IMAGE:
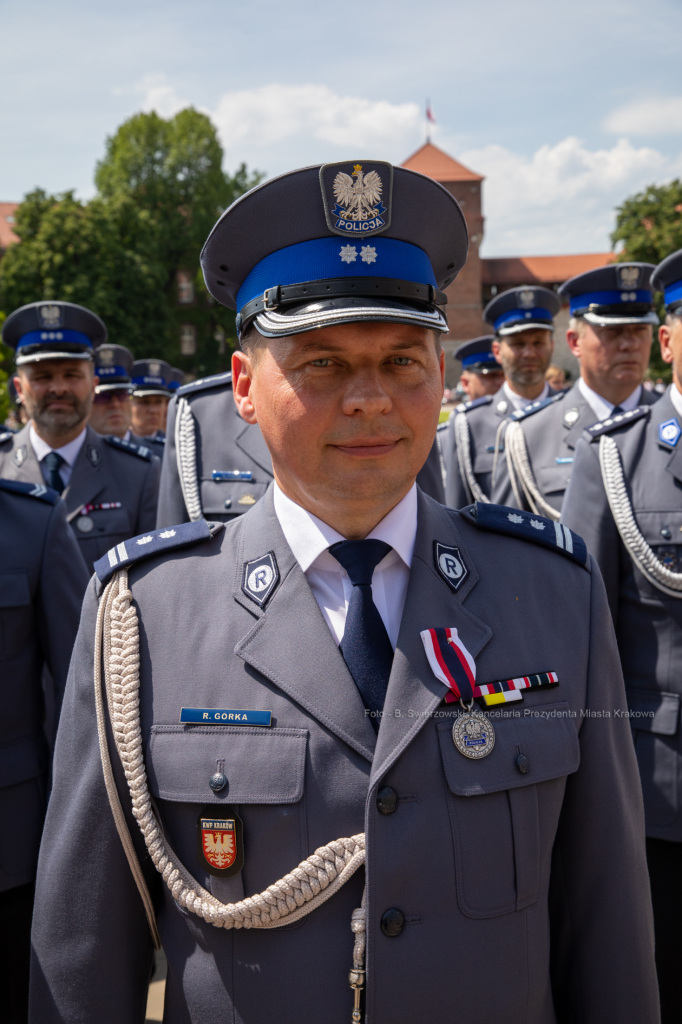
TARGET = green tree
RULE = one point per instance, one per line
(649, 227)
(126, 253)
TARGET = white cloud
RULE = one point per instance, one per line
(160, 96)
(655, 116)
(561, 199)
(258, 120)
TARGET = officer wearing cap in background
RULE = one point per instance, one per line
(624, 498)
(610, 333)
(328, 700)
(523, 346)
(110, 486)
(111, 411)
(177, 379)
(151, 394)
(42, 582)
(481, 373)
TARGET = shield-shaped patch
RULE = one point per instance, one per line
(221, 844)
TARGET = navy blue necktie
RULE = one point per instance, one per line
(366, 648)
(52, 462)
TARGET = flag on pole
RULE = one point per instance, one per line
(429, 113)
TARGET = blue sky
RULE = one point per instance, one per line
(566, 108)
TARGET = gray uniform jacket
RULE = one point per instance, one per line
(42, 582)
(531, 887)
(156, 444)
(648, 622)
(211, 442)
(483, 417)
(107, 470)
(551, 434)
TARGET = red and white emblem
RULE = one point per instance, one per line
(219, 842)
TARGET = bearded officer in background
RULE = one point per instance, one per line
(625, 498)
(345, 608)
(610, 333)
(42, 582)
(110, 486)
(522, 346)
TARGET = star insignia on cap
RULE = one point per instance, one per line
(348, 254)
(368, 254)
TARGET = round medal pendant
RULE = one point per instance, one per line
(473, 734)
(85, 524)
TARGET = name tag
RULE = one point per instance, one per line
(563, 462)
(231, 474)
(224, 716)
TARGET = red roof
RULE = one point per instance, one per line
(514, 270)
(7, 236)
(434, 163)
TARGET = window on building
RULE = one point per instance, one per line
(188, 339)
(219, 335)
(185, 287)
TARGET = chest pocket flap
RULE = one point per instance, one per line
(503, 822)
(262, 766)
(102, 522)
(14, 589)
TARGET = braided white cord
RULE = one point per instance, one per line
(466, 470)
(643, 556)
(498, 433)
(289, 899)
(186, 455)
(517, 455)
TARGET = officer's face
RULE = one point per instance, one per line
(477, 385)
(57, 393)
(670, 337)
(149, 414)
(111, 412)
(349, 414)
(525, 356)
(612, 356)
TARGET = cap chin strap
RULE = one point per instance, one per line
(640, 552)
(186, 456)
(315, 880)
(518, 464)
(466, 470)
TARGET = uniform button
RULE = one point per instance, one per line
(665, 533)
(392, 922)
(217, 782)
(523, 764)
(387, 800)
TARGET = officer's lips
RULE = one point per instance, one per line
(368, 449)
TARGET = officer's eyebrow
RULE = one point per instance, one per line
(399, 346)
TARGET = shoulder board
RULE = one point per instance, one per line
(534, 407)
(39, 491)
(147, 545)
(155, 440)
(140, 450)
(442, 426)
(215, 381)
(475, 403)
(6, 435)
(620, 420)
(526, 526)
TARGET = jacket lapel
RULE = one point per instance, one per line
(251, 442)
(413, 690)
(586, 417)
(291, 644)
(662, 411)
(21, 463)
(87, 480)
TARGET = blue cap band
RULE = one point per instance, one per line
(609, 298)
(158, 381)
(519, 315)
(673, 293)
(324, 258)
(173, 385)
(480, 357)
(111, 371)
(45, 337)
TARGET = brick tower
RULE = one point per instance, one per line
(464, 307)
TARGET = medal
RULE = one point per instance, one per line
(85, 524)
(473, 733)
(220, 838)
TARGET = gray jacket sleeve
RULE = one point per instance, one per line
(171, 508)
(586, 511)
(602, 817)
(63, 582)
(502, 493)
(456, 492)
(92, 950)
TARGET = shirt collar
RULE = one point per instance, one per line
(675, 398)
(601, 407)
(518, 401)
(309, 537)
(69, 452)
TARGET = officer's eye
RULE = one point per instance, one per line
(321, 362)
(402, 361)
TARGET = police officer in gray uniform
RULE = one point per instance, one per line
(625, 498)
(110, 486)
(610, 332)
(523, 346)
(42, 582)
(328, 701)
(152, 392)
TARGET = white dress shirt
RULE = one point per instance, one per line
(69, 452)
(518, 401)
(675, 398)
(601, 407)
(309, 539)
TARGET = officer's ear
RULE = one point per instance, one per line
(665, 335)
(242, 378)
(495, 348)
